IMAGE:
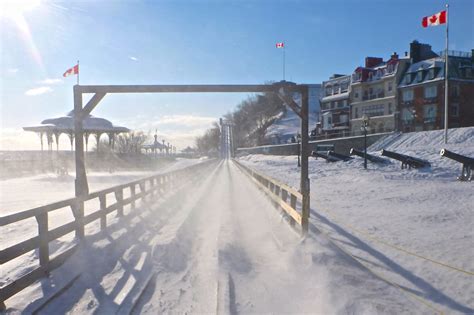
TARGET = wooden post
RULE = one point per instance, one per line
(142, 189)
(42, 220)
(103, 207)
(304, 183)
(133, 194)
(78, 211)
(119, 198)
(293, 205)
(81, 186)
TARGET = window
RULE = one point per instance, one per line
(345, 103)
(455, 90)
(419, 76)
(408, 78)
(408, 115)
(431, 74)
(356, 112)
(390, 110)
(333, 105)
(356, 93)
(389, 86)
(407, 95)
(431, 91)
(469, 73)
(429, 113)
(454, 110)
(340, 104)
(373, 110)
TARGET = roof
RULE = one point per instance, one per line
(437, 63)
(66, 124)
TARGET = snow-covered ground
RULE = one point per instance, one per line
(427, 212)
(218, 246)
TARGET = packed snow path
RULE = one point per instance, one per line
(221, 247)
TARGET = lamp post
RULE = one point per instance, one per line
(365, 125)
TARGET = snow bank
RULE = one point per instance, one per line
(425, 211)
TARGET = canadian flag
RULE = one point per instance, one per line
(71, 71)
(280, 45)
(435, 19)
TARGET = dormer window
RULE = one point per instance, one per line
(408, 78)
(419, 76)
(371, 75)
(431, 74)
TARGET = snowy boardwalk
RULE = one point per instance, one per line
(218, 246)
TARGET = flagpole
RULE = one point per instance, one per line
(78, 72)
(284, 61)
(446, 90)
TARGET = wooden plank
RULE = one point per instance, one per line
(252, 88)
(18, 249)
(26, 280)
(62, 230)
(282, 185)
(19, 216)
(287, 208)
(103, 217)
(42, 220)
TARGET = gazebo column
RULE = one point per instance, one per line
(40, 134)
(97, 139)
(71, 139)
(86, 138)
(49, 138)
(57, 134)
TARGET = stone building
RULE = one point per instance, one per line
(335, 105)
(373, 92)
(422, 86)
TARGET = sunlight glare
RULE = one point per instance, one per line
(14, 8)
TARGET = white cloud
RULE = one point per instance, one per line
(51, 81)
(133, 58)
(13, 70)
(38, 91)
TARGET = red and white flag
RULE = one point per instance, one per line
(435, 19)
(71, 71)
(280, 45)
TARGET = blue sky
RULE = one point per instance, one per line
(191, 42)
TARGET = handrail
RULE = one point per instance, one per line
(279, 193)
(158, 183)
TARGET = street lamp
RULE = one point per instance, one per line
(365, 125)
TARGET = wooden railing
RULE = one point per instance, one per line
(138, 190)
(288, 198)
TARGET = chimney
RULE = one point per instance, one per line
(371, 62)
(394, 56)
(420, 51)
(406, 53)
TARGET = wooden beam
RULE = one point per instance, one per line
(289, 101)
(92, 103)
(207, 88)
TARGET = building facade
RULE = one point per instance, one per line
(422, 91)
(373, 93)
(335, 105)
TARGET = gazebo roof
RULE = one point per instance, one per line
(66, 124)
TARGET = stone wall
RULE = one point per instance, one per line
(341, 145)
